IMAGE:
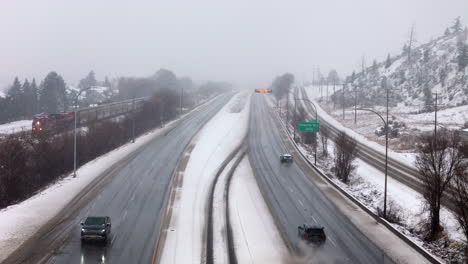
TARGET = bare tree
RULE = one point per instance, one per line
(438, 160)
(324, 135)
(345, 153)
(461, 198)
(299, 116)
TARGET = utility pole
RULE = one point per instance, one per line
(386, 151)
(342, 99)
(133, 119)
(74, 129)
(181, 100)
(355, 104)
(327, 91)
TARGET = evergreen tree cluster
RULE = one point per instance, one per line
(24, 100)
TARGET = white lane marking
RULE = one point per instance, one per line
(290, 189)
(315, 220)
(301, 203)
(114, 236)
(125, 213)
(133, 197)
(331, 240)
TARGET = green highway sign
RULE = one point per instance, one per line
(313, 126)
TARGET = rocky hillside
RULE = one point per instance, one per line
(415, 75)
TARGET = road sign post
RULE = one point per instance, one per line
(313, 126)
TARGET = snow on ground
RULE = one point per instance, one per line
(257, 239)
(17, 126)
(450, 118)
(222, 134)
(367, 185)
(19, 222)
(407, 158)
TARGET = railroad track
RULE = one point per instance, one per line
(399, 171)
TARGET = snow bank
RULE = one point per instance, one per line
(222, 134)
(17, 126)
(256, 239)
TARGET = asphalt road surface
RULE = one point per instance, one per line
(134, 200)
(295, 199)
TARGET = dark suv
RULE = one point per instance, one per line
(96, 227)
(312, 233)
(286, 158)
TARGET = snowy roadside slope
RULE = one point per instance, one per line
(21, 221)
(222, 134)
(17, 126)
(313, 93)
(256, 239)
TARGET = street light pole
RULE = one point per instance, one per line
(74, 130)
(386, 155)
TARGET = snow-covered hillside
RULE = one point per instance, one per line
(414, 77)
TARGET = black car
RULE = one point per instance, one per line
(96, 227)
(286, 158)
(312, 233)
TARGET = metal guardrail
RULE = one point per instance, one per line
(431, 258)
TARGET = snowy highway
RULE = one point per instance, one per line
(134, 197)
(295, 199)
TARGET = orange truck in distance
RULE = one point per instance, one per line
(263, 90)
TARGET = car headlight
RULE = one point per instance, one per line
(83, 230)
(103, 230)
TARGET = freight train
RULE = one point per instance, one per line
(48, 122)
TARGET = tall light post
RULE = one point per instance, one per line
(386, 155)
(316, 118)
(74, 130)
(385, 86)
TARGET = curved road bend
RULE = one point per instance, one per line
(295, 199)
(134, 200)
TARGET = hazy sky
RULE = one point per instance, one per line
(243, 41)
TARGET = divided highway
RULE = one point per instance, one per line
(134, 199)
(294, 199)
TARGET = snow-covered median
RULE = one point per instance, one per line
(184, 241)
(256, 239)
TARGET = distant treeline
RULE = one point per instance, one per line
(53, 95)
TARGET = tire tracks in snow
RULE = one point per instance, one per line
(218, 226)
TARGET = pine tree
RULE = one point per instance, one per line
(26, 98)
(374, 66)
(457, 27)
(88, 81)
(107, 83)
(405, 49)
(463, 58)
(14, 98)
(447, 32)
(34, 97)
(388, 63)
(52, 94)
(426, 55)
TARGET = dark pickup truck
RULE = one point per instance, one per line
(312, 233)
